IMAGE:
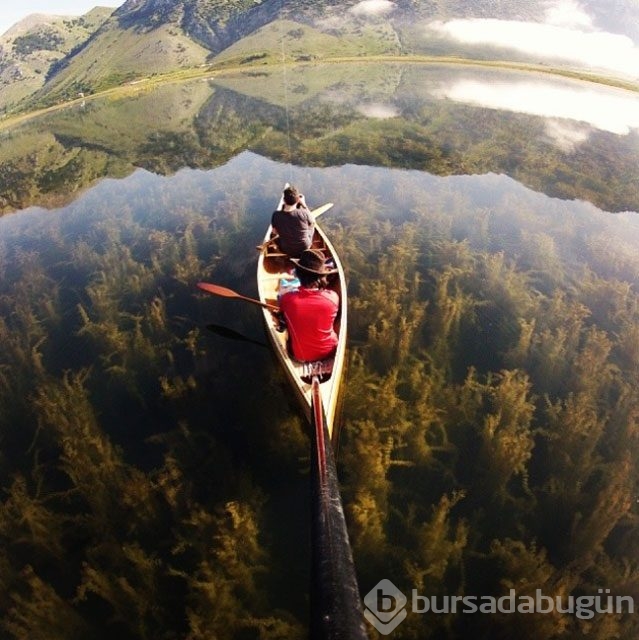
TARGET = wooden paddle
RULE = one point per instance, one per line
(323, 209)
(315, 213)
(218, 290)
(261, 247)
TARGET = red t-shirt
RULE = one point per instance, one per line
(310, 314)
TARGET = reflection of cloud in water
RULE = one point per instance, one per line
(372, 7)
(378, 110)
(596, 49)
(609, 110)
(566, 135)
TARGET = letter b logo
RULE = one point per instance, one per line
(384, 606)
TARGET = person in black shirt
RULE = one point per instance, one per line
(293, 224)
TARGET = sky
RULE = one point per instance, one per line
(12, 11)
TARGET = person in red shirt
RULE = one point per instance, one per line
(310, 311)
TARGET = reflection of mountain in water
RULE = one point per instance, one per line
(404, 116)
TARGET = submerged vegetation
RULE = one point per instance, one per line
(489, 429)
(491, 434)
(123, 510)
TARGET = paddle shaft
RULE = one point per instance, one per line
(261, 247)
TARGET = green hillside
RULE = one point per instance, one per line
(288, 41)
(116, 56)
(30, 48)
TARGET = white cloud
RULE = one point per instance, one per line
(567, 13)
(606, 109)
(372, 7)
(594, 49)
(378, 110)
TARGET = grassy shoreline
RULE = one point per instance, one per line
(148, 83)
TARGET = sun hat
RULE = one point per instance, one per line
(313, 260)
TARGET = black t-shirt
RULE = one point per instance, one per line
(295, 229)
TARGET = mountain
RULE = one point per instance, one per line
(33, 45)
(51, 59)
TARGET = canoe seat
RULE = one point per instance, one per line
(275, 263)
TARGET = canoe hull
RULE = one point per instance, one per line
(271, 267)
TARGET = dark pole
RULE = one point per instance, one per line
(336, 606)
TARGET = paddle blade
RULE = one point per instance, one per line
(218, 290)
(323, 209)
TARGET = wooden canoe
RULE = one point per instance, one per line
(272, 266)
